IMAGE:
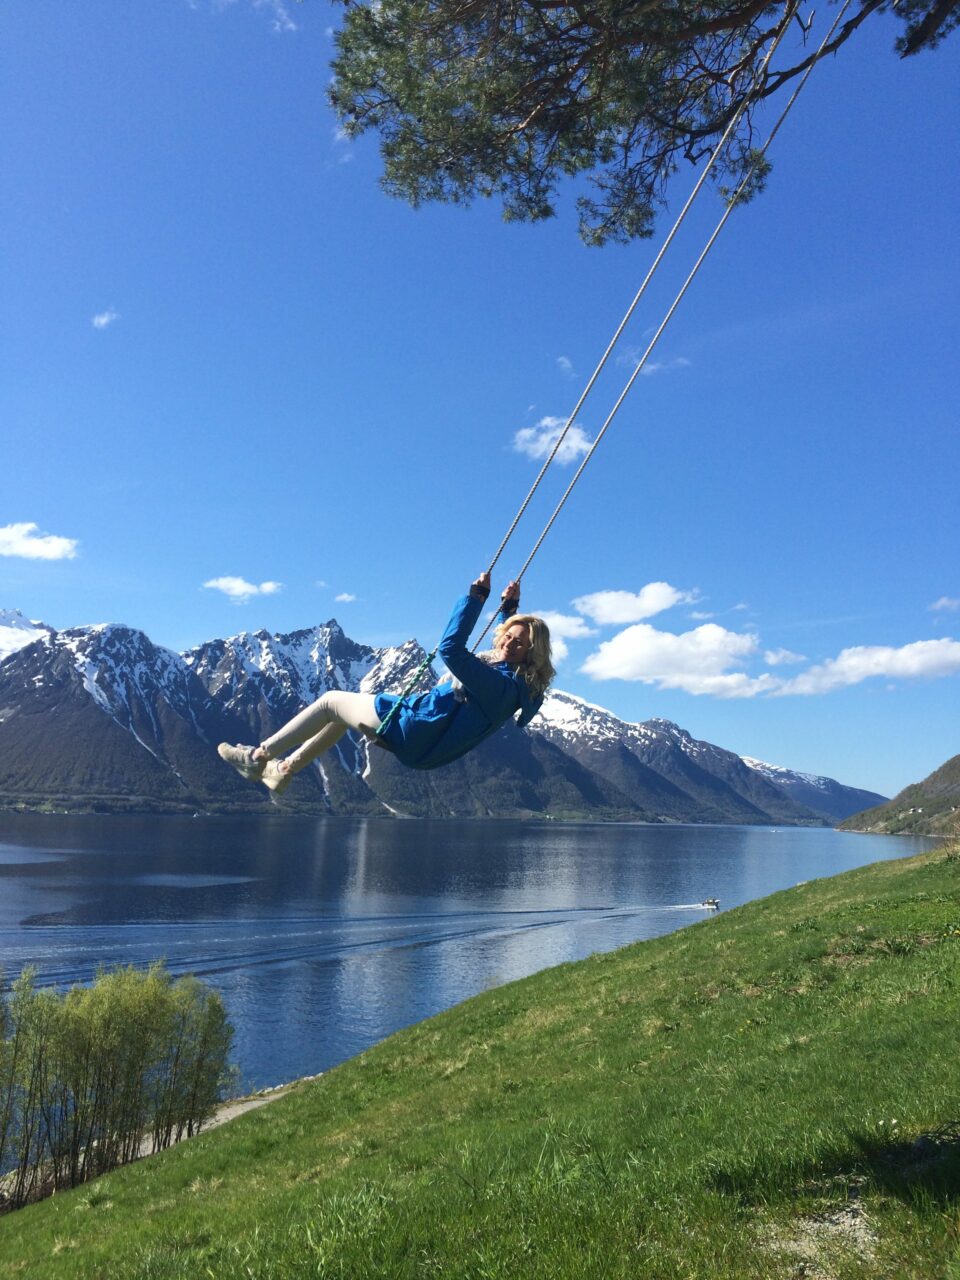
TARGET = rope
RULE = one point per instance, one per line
(732, 124)
(676, 302)
(734, 200)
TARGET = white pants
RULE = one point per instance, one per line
(321, 726)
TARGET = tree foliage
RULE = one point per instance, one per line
(93, 1078)
(508, 97)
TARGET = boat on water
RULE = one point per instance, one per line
(712, 903)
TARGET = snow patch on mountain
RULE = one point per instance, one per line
(566, 719)
(16, 632)
(301, 666)
(777, 773)
(570, 717)
(689, 745)
(394, 667)
(563, 715)
(124, 671)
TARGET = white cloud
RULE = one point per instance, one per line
(282, 21)
(663, 366)
(565, 365)
(564, 627)
(104, 318)
(345, 597)
(536, 442)
(712, 660)
(25, 540)
(705, 659)
(631, 356)
(239, 590)
(777, 657)
(618, 607)
(923, 658)
(696, 661)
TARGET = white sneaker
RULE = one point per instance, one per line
(275, 778)
(242, 760)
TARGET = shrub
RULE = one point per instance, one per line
(93, 1078)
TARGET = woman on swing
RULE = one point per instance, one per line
(428, 729)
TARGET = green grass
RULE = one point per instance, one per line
(768, 1093)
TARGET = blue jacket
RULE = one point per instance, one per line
(431, 729)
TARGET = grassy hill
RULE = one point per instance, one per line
(773, 1092)
(930, 807)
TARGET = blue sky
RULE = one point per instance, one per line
(229, 363)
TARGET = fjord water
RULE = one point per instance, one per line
(325, 935)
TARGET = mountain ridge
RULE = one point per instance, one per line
(101, 718)
(930, 807)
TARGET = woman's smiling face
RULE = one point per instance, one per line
(513, 645)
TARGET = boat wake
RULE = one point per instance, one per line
(64, 953)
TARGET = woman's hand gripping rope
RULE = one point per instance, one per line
(509, 599)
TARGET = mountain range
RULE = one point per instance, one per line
(99, 718)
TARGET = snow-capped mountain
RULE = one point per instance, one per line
(100, 717)
(257, 681)
(16, 632)
(678, 776)
(823, 795)
(103, 715)
(127, 675)
(289, 671)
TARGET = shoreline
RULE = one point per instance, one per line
(230, 1108)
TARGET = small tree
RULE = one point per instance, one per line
(8, 1056)
(112, 1036)
(193, 1075)
(31, 1017)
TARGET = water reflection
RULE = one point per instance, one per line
(326, 935)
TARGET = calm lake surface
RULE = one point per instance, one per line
(325, 935)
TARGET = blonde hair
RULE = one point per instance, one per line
(537, 670)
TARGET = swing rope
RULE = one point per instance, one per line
(731, 204)
(747, 100)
